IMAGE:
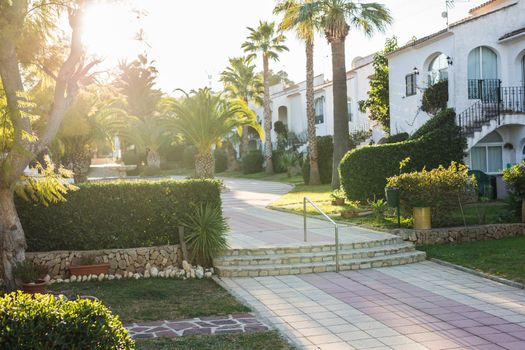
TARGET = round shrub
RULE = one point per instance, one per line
(514, 177)
(442, 189)
(252, 162)
(44, 321)
(221, 160)
(364, 171)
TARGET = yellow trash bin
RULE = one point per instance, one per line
(422, 218)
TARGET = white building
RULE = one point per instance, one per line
(288, 104)
(483, 58)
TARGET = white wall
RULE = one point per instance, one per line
(457, 43)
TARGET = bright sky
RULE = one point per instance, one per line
(191, 41)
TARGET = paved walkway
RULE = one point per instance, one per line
(417, 306)
(237, 323)
(254, 226)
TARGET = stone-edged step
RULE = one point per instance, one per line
(310, 248)
(317, 267)
(314, 256)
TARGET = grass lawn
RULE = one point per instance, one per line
(236, 341)
(475, 214)
(504, 258)
(157, 298)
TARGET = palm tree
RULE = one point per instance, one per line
(148, 135)
(205, 119)
(242, 82)
(267, 41)
(300, 16)
(337, 17)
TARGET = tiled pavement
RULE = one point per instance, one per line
(417, 306)
(237, 323)
(254, 226)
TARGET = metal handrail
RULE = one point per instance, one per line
(336, 227)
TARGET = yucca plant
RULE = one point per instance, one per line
(207, 234)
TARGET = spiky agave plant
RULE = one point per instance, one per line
(207, 233)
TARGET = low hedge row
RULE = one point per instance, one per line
(252, 162)
(115, 214)
(43, 321)
(364, 171)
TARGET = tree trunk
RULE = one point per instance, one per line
(315, 178)
(523, 211)
(340, 106)
(153, 159)
(267, 118)
(204, 165)
(12, 241)
(245, 142)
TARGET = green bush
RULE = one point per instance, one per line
(172, 153)
(364, 171)
(221, 160)
(278, 167)
(325, 154)
(43, 321)
(514, 178)
(207, 234)
(402, 136)
(442, 189)
(115, 214)
(189, 157)
(435, 98)
(131, 158)
(252, 162)
(27, 271)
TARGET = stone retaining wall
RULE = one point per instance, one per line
(121, 261)
(461, 234)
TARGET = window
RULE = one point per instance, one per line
(349, 104)
(487, 155)
(319, 110)
(410, 81)
(482, 72)
(438, 70)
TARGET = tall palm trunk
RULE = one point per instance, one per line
(267, 118)
(341, 131)
(12, 242)
(244, 139)
(315, 178)
(204, 165)
(233, 164)
(153, 159)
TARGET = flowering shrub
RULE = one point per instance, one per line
(442, 189)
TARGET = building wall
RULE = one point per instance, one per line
(457, 44)
(294, 100)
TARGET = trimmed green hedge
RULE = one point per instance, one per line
(44, 321)
(252, 162)
(402, 136)
(364, 171)
(116, 214)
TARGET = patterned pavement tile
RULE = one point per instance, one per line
(237, 323)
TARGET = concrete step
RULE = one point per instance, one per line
(310, 248)
(318, 267)
(313, 257)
